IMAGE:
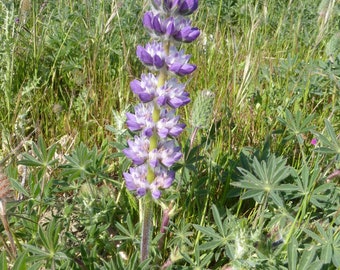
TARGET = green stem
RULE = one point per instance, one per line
(147, 212)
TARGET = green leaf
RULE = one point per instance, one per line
(37, 266)
(326, 253)
(218, 220)
(210, 245)
(20, 262)
(306, 258)
(208, 231)
(3, 261)
(292, 254)
(30, 161)
(313, 235)
(336, 257)
(18, 187)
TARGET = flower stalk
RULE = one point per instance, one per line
(146, 225)
(154, 149)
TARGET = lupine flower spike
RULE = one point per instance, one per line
(154, 148)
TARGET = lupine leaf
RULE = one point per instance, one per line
(292, 254)
(218, 220)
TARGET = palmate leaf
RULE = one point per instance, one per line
(320, 195)
(208, 231)
(297, 125)
(43, 157)
(328, 240)
(330, 142)
(264, 177)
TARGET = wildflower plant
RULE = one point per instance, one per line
(154, 149)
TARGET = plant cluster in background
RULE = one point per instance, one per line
(257, 186)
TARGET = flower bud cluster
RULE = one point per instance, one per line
(154, 149)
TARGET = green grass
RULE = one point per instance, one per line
(252, 178)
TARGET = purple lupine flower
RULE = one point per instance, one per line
(138, 150)
(169, 125)
(184, 31)
(177, 62)
(181, 7)
(146, 88)
(135, 180)
(164, 177)
(187, 7)
(163, 180)
(155, 24)
(166, 154)
(142, 119)
(152, 55)
(179, 29)
(154, 150)
(173, 94)
(169, 153)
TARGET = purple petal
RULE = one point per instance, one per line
(141, 191)
(187, 34)
(161, 101)
(131, 122)
(145, 97)
(147, 20)
(170, 28)
(157, 25)
(187, 7)
(156, 193)
(136, 87)
(158, 61)
(182, 69)
(177, 130)
(144, 56)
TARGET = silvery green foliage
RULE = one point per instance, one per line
(333, 45)
(202, 110)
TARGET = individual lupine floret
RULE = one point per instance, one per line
(176, 28)
(184, 32)
(181, 7)
(158, 26)
(141, 120)
(169, 124)
(138, 150)
(173, 94)
(136, 180)
(146, 88)
(152, 55)
(167, 153)
(177, 62)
